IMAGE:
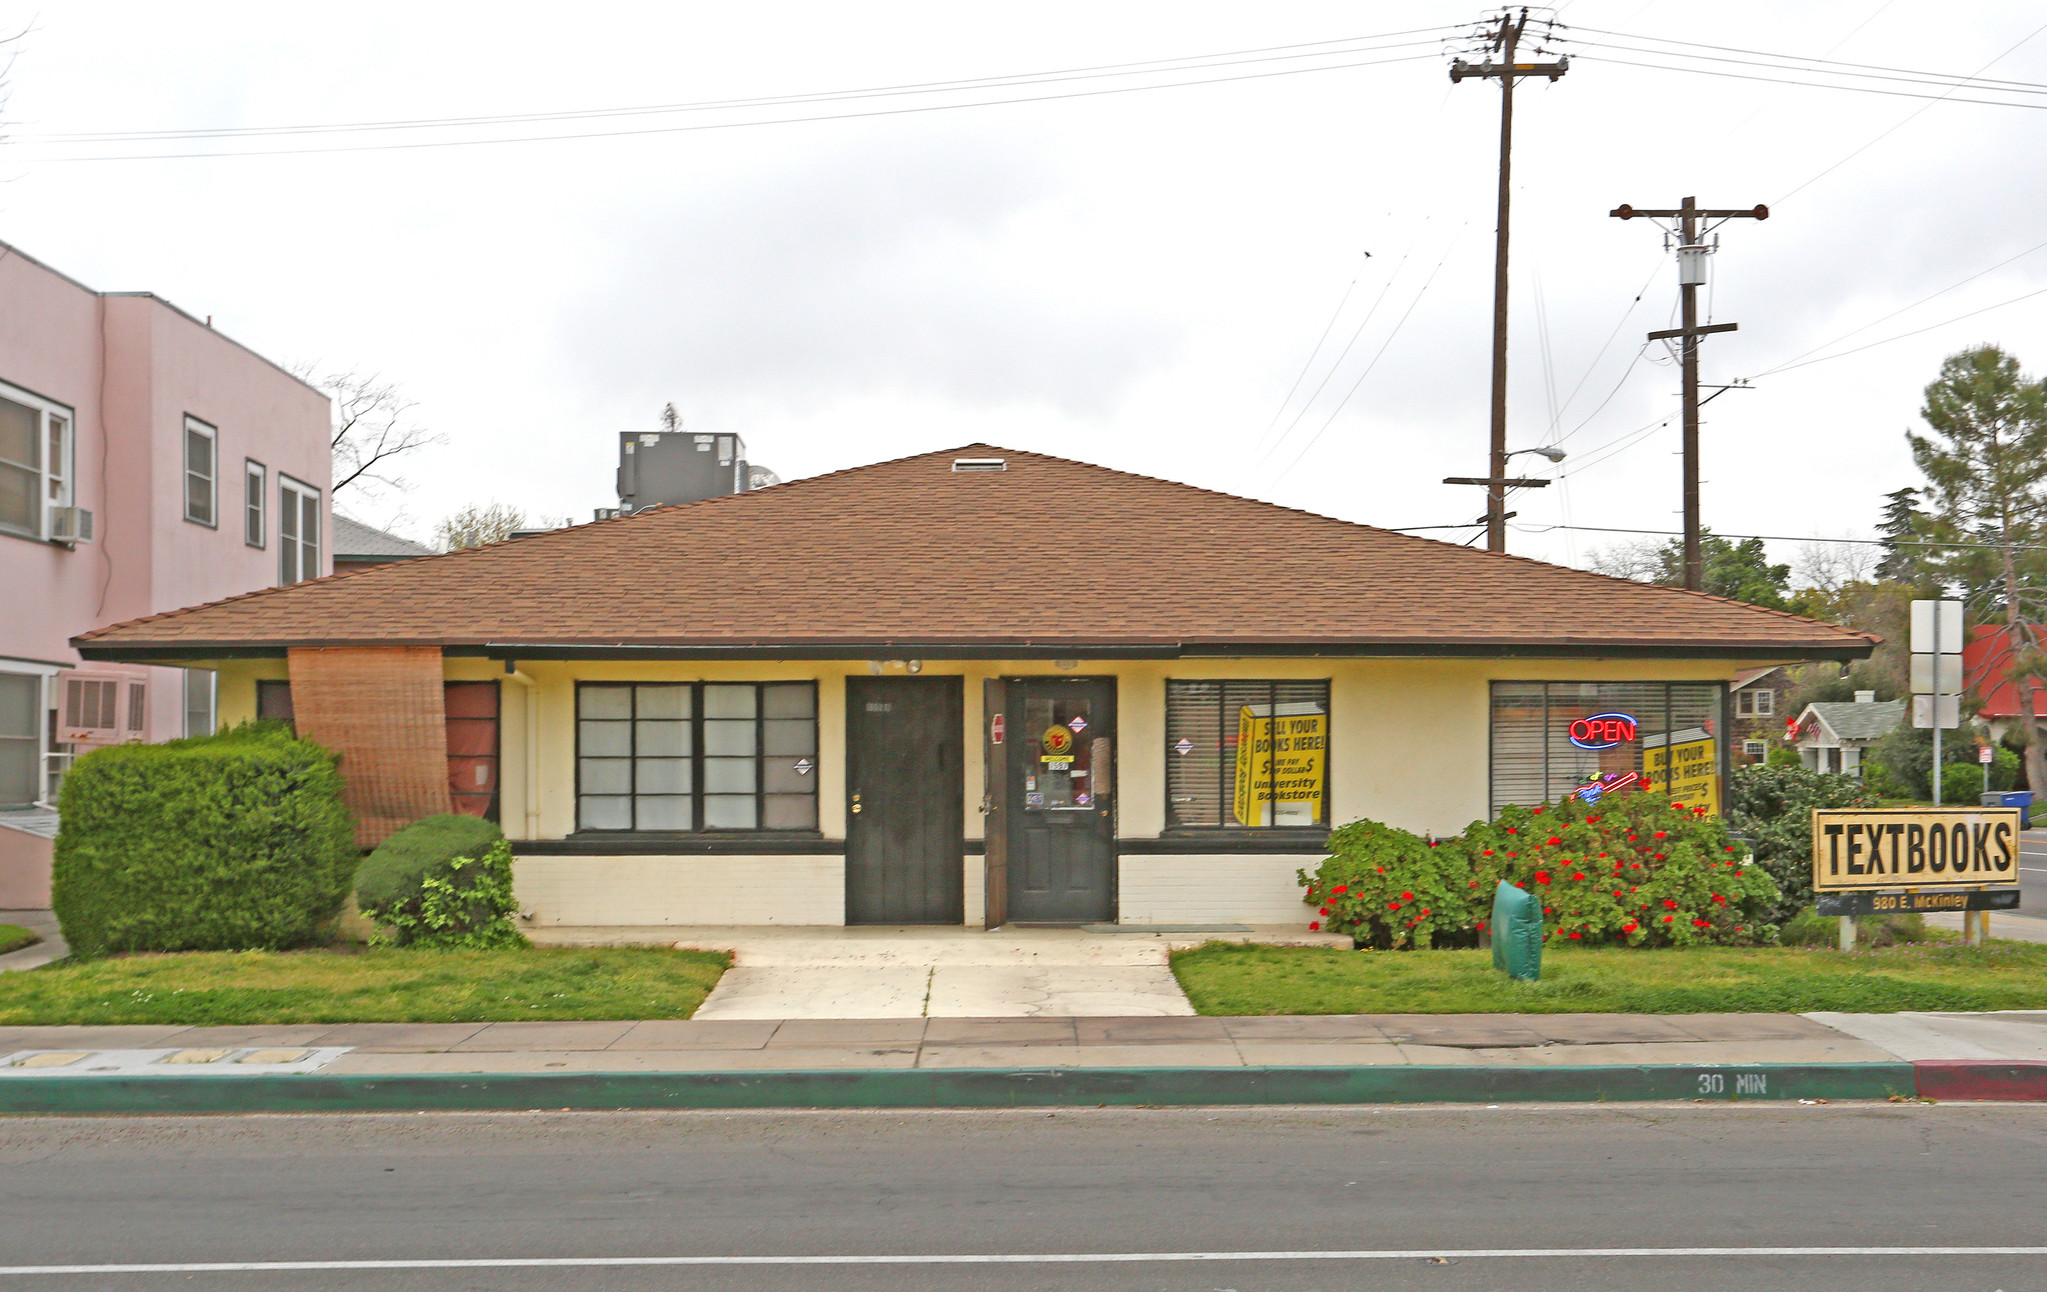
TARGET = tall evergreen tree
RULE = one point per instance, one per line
(1904, 556)
(1986, 470)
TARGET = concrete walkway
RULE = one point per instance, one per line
(795, 972)
(44, 925)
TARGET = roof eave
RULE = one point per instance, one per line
(1004, 648)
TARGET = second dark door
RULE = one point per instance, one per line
(1062, 822)
(905, 841)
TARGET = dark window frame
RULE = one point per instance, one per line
(1224, 798)
(1723, 735)
(697, 757)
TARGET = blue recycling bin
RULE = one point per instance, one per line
(2020, 799)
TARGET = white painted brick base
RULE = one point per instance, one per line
(975, 892)
(586, 891)
(1212, 889)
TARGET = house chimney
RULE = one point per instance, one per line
(1865, 697)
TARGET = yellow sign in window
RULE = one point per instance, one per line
(1686, 766)
(1282, 754)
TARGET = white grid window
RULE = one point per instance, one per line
(202, 473)
(1755, 704)
(36, 452)
(298, 531)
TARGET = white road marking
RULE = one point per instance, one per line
(1004, 1258)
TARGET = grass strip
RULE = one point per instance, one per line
(1237, 979)
(13, 937)
(381, 985)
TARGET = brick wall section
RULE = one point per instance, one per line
(380, 708)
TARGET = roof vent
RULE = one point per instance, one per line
(980, 464)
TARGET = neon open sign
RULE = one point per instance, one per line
(1603, 731)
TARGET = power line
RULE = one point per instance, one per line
(1370, 313)
(1381, 352)
(1234, 57)
(1786, 367)
(1768, 538)
(1814, 85)
(1794, 360)
(1762, 53)
(771, 121)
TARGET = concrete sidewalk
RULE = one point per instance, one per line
(769, 1045)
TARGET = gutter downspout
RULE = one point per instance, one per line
(532, 743)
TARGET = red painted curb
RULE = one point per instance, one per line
(1981, 1079)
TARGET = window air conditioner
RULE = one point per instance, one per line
(70, 525)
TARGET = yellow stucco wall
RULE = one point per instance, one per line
(1408, 740)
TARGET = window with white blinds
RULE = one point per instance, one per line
(1247, 755)
(1534, 759)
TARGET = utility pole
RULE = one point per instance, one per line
(1506, 40)
(1691, 275)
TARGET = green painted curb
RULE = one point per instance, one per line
(950, 1088)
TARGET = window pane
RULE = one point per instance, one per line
(662, 739)
(20, 434)
(604, 701)
(661, 701)
(198, 453)
(729, 701)
(18, 501)
(607, 775)
(790, 736)
(1194, 751)
(605, 813)
(729, 812)
(729, 774)
(665, 812)
(789, 700)
(613, 739)
(728, 737)
(791, 812)
(661, 776)
(309, 535)
(783, 778)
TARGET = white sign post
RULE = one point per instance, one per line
(1936, 673)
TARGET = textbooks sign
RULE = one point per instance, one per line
(1281, 751)
(1914, 847)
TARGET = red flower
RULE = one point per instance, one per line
(1393, 906)
(1635, 889)
(1661, 857)
(1542, 877)
(1425, 910)
(1579, 875)
(1718, 898)
(1668, 918)
(1407, 897)
(1659, 834)
(1538, 812)
(1730, 847)
(1325, 910)
(1702, 923)
(1513, 854)
(1474, 883)
(1631, 838)
(1382, 870)
(1549, 910)
(1680, 807)
(1341, 888)
(1669, 905)
(1489, 852)
(1577, 935)
(1602, 856)
(1554, 841)
(1630, 927)
(1592, 820)
(1634, 865)
(1314, 925)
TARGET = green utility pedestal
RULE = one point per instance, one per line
(1517, 933)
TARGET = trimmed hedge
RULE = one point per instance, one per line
(1772, 807)
(445, 881)
(230, 842)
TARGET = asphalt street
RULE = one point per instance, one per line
(1211, 1199)
(2032, 874)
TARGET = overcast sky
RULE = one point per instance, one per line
(1136, 279)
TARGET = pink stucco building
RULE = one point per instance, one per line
(147, 462)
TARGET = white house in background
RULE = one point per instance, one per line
(1832, 735)
(147, 462)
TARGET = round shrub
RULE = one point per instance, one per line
(1772, 808)
(1393, 890)
(445, 881)
(1636, 869)
(236, 841)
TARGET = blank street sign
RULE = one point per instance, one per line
(1950, 627)
(1946, 680)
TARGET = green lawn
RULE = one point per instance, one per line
(365, 986)
(1231, 978)
(13, 937)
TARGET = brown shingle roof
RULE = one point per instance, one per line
(1047, 556)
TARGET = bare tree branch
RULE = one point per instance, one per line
(373, 425)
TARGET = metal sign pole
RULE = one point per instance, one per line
(1937, 769)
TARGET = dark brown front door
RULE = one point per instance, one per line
(1061, 794)
(905, 840)
(472, 718)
